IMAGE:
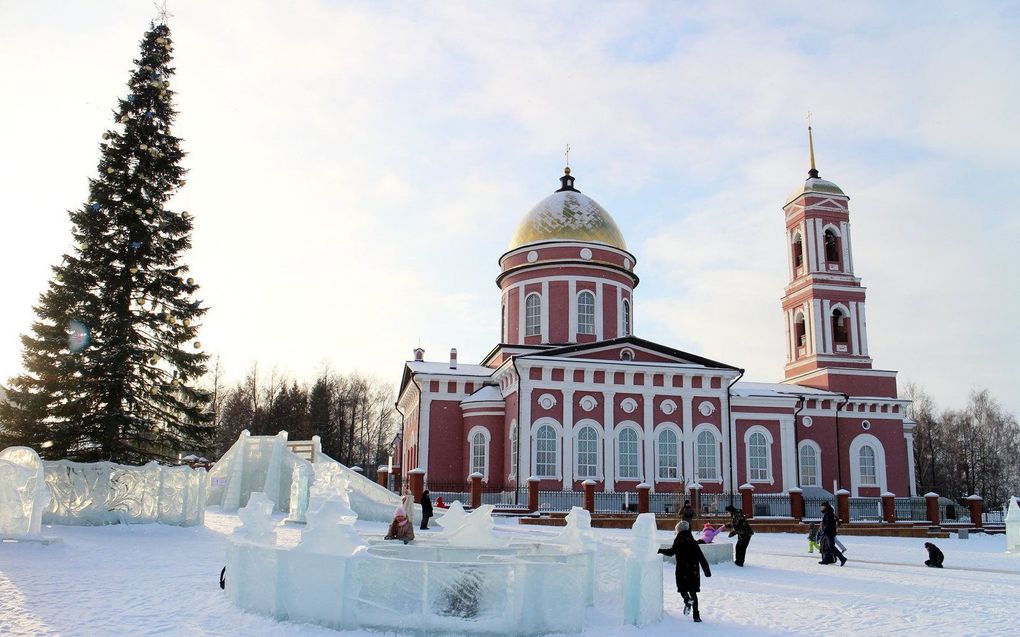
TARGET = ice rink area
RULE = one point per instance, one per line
(163, 580)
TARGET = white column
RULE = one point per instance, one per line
(524, 428)
(789, 253)
(911, 477)
(600, 322)
(848, 253)
(788, 453)
(649, 430)
(688, 417)
(609, 448)
(864, 330)
(856, 344)
(727, 428)
(791, 346)
(545, 311)
(821, 245)
(572, 309)
(809, 248)
(816, 314)
(567, 461)
(826, 326)
(423, 434)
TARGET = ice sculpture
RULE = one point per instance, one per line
(300, 481)
(23, 494)
(331, 530)
(642, 588)
(97, 493)
(452, 519)
(1013, 526)
(257, 520)
(578, 533)
(371, 501)
(476, 530)
(255, 463)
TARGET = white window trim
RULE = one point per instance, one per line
(669, 426)
(855, 464)
(513, 449)
(620, 428)
(526, 323)
(770, 478)
(818, 462)
(558, 429)
(594, 314)
(600, 442)
(478, 429)
(626, 317)
(705, 426)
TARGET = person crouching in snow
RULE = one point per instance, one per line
(688, 558)
(935, 556)
(709, 532)
(400, 528)
(812, 538)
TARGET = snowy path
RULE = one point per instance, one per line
(159, 580)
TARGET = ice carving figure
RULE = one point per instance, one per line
(23, 493)
(578, 533)
(257, 520)
(642, 587)
(300, 479)
(452, 519)
(331, 530)
(476, 531)
(1013, 526)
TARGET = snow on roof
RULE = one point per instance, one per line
(779, 390)
(489, 393)
(426, 367)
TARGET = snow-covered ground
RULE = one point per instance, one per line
(163, 580)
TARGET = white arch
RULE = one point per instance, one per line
(758, 429)
(558, 430)
(817, 449)
(717, 469)
(855, 463)
(628, 425)
(656, 432)
(588, 422)
(479, 429)
(527, 324)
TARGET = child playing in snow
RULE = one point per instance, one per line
(400, 528)
(709, 532)
(812, 539)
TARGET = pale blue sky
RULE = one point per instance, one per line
(357, 168)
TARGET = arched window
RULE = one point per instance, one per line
(831, 246)
(798, 250)
(587, 452)
(533, 315)
(586, 313)
(628, 466)
(479, 454)
(869, 474)
(800, 329)
(626, 318)
(758, 457)
(838, 326)
(546, 452)
(809, 466)
(513, 448)
(668, 455)
(707, 456)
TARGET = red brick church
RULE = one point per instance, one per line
(571, 394)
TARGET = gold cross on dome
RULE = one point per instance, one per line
(566, 155)
(809, 117)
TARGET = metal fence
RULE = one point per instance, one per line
(911, 508)
(865, 509)
(561, 500)
(774, 505)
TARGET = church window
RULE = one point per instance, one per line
(798, 250)
(809, 466)
(758, 456)
(668, 455)
(513, 448)
(800, 329)
(707, 456)
(479, 454)
(585, 313)
(587, 452)
(626, 318)
(838, 326)
(533, 315)
(546, 461)
(831, 246)
(869, 476)
(627, 452)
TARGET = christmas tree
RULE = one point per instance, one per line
(112, 358)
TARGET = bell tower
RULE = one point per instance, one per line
(823, 302)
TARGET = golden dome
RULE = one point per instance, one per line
(817, 185)
(568, 215)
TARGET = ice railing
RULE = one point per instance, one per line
(453, 582)
(23, 493)
(107, 493)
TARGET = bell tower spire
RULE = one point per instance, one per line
(813, 171)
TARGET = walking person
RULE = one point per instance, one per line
(740, 527)
(687, 513)
(688, 559)
(426, 509)
(812, 538)
(935, 556)
(830, 553)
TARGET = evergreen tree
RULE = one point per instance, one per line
(111, 360)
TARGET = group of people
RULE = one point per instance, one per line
(824, 538)
(402, 525)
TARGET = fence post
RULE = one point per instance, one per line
(642, 497)
(589, 495)
(416, 480)
(476, 489)
(843, 505)
(747, 499)
(695, 494)
(796, 503)
(976, 503)
(932, 505)
(382, 475)
(533, 493)
(889, 507)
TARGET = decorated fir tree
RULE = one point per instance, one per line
(112, 360)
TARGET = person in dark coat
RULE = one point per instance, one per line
(687, 513)
(426, 509)
(688, 559)
(935, 556)
(830, 552)
(740, 527)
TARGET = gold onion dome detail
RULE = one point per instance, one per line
(568, 215)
